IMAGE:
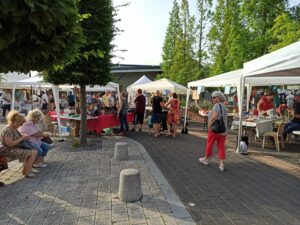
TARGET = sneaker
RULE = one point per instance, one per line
(132, 129)
(221, 168)
(203, 161)
(140, 130)
(39, 165)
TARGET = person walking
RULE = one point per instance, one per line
(139, 112)
(218, 112)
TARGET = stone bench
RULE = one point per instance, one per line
(130, 189)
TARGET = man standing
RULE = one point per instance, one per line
(295, 123)
(157, 104)
(140, 105)
(71, 100)
(6, 102)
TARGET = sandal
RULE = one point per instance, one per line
(30, 175)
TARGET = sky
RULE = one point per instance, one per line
(145, 23)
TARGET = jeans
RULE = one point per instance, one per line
(42, 149)
(123, 122)
(290, 127)
(6, 107)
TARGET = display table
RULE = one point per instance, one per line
(106, 121)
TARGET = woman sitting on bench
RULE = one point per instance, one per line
(11, 140)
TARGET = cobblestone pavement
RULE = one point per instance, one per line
(250, 191)
(80, 186)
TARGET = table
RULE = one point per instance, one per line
(296, 132)
(106, 121)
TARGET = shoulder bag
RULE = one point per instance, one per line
(219, 126)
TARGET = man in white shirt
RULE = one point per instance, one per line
(6, 102)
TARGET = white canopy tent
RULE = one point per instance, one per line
(38, 81)
(161, 85)
(132, 87)
(8, 78)
(283, 63)
(142, 80)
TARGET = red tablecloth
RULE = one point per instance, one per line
(106, 121)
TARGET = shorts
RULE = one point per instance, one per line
(156, 118)
(139, 118)
(71, 104)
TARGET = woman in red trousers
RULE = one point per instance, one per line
(218, 109)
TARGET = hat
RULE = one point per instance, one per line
(297, 93)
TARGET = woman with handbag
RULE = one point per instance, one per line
(11, 139)
(217, 129)
(31, 129)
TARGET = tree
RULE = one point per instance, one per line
(184, 67)
(228, 38)
(172, 34)
(204, 11)
(259, 16)
(285, 31)
(35, 35)
(93, 64)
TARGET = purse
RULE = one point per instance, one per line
(219, 126)
(26, 144)
(47, 140)
(3, 163)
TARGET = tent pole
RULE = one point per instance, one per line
(242, 84)
(57, 107)
(12, 106)
(186, 105)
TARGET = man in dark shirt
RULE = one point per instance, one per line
(140, 105)
(295, 123)
(157, 104)
(71, 100)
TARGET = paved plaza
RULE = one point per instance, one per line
(80, 186)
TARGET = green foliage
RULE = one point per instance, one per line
(172, 35)
(284, 32)
(259, 16)
(35, 35)
(207, 105)
(92, 66)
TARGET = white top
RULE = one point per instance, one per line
(44, 99)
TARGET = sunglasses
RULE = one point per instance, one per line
(214, 97)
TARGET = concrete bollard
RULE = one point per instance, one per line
(130, 189)
(121, 151)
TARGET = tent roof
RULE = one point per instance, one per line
(11, 77)
(163, 84)
(233, 79)
(283, 62)
(229, 78)
(142, 80)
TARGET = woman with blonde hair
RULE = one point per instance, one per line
(31, 129)
(11, 140)
(219, 112)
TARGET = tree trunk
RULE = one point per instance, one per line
(82, 132)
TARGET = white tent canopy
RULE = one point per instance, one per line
(161, 85)
(8, 78)
(142, 80)
(283, 62)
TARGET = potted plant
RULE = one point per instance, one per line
(205, 106)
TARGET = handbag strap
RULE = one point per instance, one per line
(221, 112)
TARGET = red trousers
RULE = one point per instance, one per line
(211, 139)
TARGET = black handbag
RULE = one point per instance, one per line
(219, 126)
(47, 140)
(25, 144)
